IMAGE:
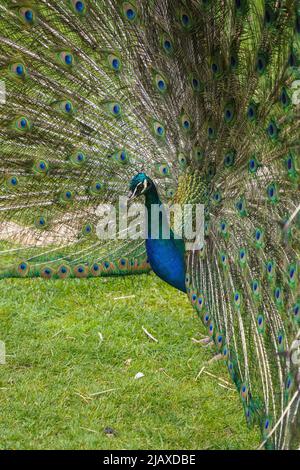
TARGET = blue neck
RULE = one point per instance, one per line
(152, 198)
(166, 256)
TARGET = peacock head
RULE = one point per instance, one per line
(140, 185)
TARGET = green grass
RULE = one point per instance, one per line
(56, 361)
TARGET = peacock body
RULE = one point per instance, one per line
(198, 98)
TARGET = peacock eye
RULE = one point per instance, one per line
(18, 69)
(185, 122)
(229, 112)
(22, 124)
(219, 340)
(253, 165)
(170, 192)
(196, 84)
(270, 15)
(272, 192)
(185, 20)
(96, 188)
(41, 167)
(63, 271)
(182, 160)
(255, 287)
(47, 272)
(66, 58)
(40, 222)
(233, 61)
(23, 268)
(81, 270)
(66, 197)
(229, 159)
(12, 182)
(129, 11)
(244, 392)
(159, 130)
(160, 83)
(162, 170)
(167, 45)
(292, 271)
(211, 132)
(261, 63)
(272, 130)
(252, 112)
(87, 229)
(284, 98)
(65, 107)
(122, 157)
(28, 15)
(223, 257)
(114, 108)
(296, 312)
(217, 197)
(78, 158)
(198, 154)
(68, 106)
(79, 7)
(270, 266)
(290, 166)
(114, 62)
(237, 299)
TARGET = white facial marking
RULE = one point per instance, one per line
(145, 186)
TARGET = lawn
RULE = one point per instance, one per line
(73, 350)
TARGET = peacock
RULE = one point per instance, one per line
(180, 102)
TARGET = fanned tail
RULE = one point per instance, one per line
(245, 281)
